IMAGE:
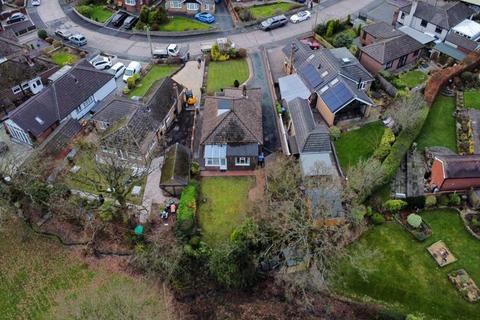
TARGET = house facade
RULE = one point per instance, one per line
(189, 7)
(73, 95)
(133, 5)
(232, 133)
(455, 173)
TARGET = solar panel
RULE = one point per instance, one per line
(337, 96)
(311, 75)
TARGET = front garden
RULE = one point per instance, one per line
(263, 11)
(339, 33)
(95, 12)
(390, 267)
(183, 24)
(222, 74)
(158, 20)
(141, 86)
(63, 58)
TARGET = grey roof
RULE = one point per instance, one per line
(246, 150)
(310, 137)
(115, 109)
(57, 101)
(292, 87)
(325, 200)
(301, 53)
(381, 30)
(461, 41)
(391, 49)
(460, 167)
(176, 168)
(61, 137)
(450, 51)
(417, 35)
(446, 16)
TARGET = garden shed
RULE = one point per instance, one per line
(175, 170)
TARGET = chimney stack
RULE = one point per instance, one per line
(409, 18)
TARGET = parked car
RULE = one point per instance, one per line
(35, 2)
(78, 39)
(64, 34)
(118, 69)
(134, 67)
(118, 18)
(301, 16)
(205, 17)
(273, 22)
(16, 17)
(102, 63)
(129, 22)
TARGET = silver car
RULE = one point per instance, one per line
(78, 39)
(64, 34)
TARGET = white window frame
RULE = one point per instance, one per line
(193, 6)
(242, 161)
(16, 90)
(175, 4)
(362, 85)
(130, 2)
(85, 104)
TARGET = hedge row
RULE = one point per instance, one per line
(187, 209)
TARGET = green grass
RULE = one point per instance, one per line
(472, 99)
(267, 10)
(223, 74)
(439, 128)
(411, 79)
(183, 24)
(225, 206)
(358, 144)
(64, 58)
(156, 73)
(95, 12)
(37, 275)
(404, 276)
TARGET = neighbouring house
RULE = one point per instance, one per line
(468, 28)
(378, 31)
(133, 5)
(336, 80)
(189, 7)
(390, 54)
(133, 129)
(460, 43)
(232, 132)
(455, 172)
(436, 20)
(72, 95)
(175, 170)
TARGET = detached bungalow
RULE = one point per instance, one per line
(190, 7)
(455, 173)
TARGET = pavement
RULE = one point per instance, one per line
(52, 16)
(152, 194)
(191, 77)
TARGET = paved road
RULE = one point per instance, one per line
(51, 15)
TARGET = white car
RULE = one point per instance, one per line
(118, 69)
(64, 34)
(35, 2)
(300, 16)
(101, 63)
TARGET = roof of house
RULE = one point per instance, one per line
(115, 109)
(446, 16)
(460, 167)
(325, 200)
(461, 41)
(301, 51)
(61, 137)
(292, 87)
(391, 49)
(450, 51)
(310, 137)
(8, 47)
(233, 118)
(58, 100)
(417, 35)
(176, 168)
(381, 30)
(469, 28)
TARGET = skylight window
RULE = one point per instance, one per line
(39, 120)
(333, 82)
(324, 74)
(323, 89)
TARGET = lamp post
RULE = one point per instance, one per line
(147, 28)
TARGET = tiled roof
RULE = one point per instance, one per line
(391, 49)
(61, 137)
(446, 16)
(381, 30)
(176, 168)
(461, 41)
(115, 109)
(459, 167)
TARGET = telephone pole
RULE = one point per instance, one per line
(147, 28)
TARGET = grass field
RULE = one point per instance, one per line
(267, 10)
(472, 99)
(39, 279)
(63, 58)
(225, 206)
(183, 24)
(95, 12)
(411, 79)
(356, 144)
(439, 128)
(404, 276)
(223, 74)
(156, 73)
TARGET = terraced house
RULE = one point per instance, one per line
(190, 7)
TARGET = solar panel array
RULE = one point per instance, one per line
(311, 75)
(337, 96)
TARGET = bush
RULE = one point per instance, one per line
(414, 220)
(57, 43)
(335, 132)
(126, 91)
(162, 16)
(144, 14)
(242, 53)
(216, 55)
(330, 28)
(454, 199)
(233, 53)
(394, 205)
(49, 40)
(378, 219)
(244, 14)
(85, 11)
(42, 34)
(140, 25)
(473, 199)
(155, 27)
(467, 76)
(187, 209)
(342, 40)
(385, 145)
(321, 29)
(236, 84)
(152, 16)
(195, 168)
(430, 201)
(475, 222)
(131, 81)
(443, 200)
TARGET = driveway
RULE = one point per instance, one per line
(128, 46)
(191, 77)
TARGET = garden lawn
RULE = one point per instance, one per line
(411, 79)
(439, 128)
(39, 279)
(156, 73)
(64, 58)
(472, 99)
(267, 10)
(404, 276)
(358, 144)
(223, 74)
(223, 206)
(95, 12)
(183, 24)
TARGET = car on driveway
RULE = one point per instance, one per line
(63, 33)
(35, 2)
(78, 39)
(129, 22)
(102, 63)
(118, 18)
(205, 17)
(273, 22)
(301, 16)
(118, 69)
(16, 17)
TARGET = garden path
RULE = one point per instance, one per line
(153, 194)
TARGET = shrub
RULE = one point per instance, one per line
(187, 209)
(242, 53)
(473, 199)
(162, 16)
(430, 201)
(443, 200)
(216, 55)
(131, 81)
(140, 25)
(236, 84)
(57, 43)
(467, 76)
(126, 91)
(414, 220)
(244, 14)
(155, 27)
(475, 222)
(394, 205)
(144, 14)
(454, 199)
(335, 132)
(42, 34)
(233, 53)
(378, 219)
(321, 29)
(82, 54)
(85, 11)
(49, 40)
(152, 16)
(342, 40)
(385, 146)
(330, 29)
(195, 168)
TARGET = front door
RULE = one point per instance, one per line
(223, 163)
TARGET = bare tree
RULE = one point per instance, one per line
(406, 111)
(360, 180)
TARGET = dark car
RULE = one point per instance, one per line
(274, 22)
(129, 22)
(118, 18)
